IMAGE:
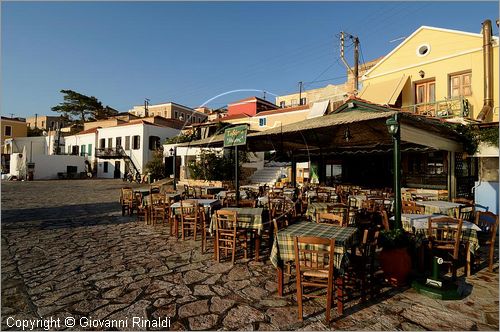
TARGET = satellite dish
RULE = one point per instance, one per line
(20, 155)
(44, 133)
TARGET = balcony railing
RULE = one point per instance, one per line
(448, 108)
(109, 152)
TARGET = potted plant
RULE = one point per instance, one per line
(394, 257)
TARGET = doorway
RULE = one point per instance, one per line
(425, 97)
(117, 173)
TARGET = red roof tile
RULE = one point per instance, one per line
(88, 131)
(284, 110)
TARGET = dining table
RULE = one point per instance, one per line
(252, 219)
(283, 249)
(440, 207)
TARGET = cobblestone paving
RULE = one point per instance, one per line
(67, 251)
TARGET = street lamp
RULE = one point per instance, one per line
(172, 154)
(393, 127)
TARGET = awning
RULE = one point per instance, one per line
(384, 93)
(318, 109)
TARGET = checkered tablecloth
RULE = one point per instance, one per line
(442, 207)
(316, 207)
(469, 234)
(283, 250)
(251, 218)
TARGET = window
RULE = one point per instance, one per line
(90, 150)
(51, 124)
(136, 142)
(105, 167)
(127, 142)
(75, 149)
(110, 142)
(82, 150)
(118, 141)
(262, 122)
(303, 101)
(423, 50)
(8, 130)
(176, 115)
(282, 104)
(460, 84)
(154, 142)
(102, 143)
(43, 124)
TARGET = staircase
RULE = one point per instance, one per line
(267, 175)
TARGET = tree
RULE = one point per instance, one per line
(77, 105)
(155, 166)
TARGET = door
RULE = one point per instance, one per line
(117, 173)
(425, 97)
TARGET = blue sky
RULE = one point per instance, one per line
(123, 52)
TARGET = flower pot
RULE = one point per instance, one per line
(396, 264)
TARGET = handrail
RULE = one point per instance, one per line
(448, 107)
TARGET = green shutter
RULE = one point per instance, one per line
(90, 150)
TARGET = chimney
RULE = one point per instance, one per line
(488, 72)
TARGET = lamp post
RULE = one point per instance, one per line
(393, 126)
(173, 155)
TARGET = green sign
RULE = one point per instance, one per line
(235, 136)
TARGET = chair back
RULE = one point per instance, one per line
(188, 210)
(247, 203)
(154, 189)
(369, 243)
(488, 222)
(462, 200)
(226, 220)
(157, 199)
(314, 254)
(197, 192)
(444, 233)
(126, 195)
(411, 207)
(331, 219)
(279, 223)
(385, 220)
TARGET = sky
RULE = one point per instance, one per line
(190, 52)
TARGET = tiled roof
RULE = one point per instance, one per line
(88, 131)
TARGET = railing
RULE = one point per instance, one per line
(109, 152)
(447, 108)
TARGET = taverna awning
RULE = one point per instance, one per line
(384, 93)
(354, 125)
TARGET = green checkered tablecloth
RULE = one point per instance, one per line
(251, 218)
(283, 250)
(316, 207)
(441, 207)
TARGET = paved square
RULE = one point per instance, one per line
(68, 252)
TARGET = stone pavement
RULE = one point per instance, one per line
(67, 251)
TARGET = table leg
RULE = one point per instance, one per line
(340, 294)
(279, 271)
(257, 246)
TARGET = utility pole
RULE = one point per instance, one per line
(264, 97)
(300, 93)
(354, 72)
(36, 120)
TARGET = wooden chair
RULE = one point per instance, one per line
(444, 236)
(188, 192)
(143, 211)
(362, 263)
(127, 200)
(314, 263)
(190, 217)
(154, 189)
(279, 224)
(227, 234)
(207, 196)
(230, 199)
(159, 212)
(339, 209)
(247, 203)
(488, 222)
(331, 219)
(411, 207)
(197, 192)
(467, 210)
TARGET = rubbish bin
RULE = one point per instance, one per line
(31, 171)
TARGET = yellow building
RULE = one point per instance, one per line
(171, 111)
(12, 128)
(436, 72)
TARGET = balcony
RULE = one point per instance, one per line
(109, 152)
(447, 108)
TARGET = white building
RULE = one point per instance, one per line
(128, 147)
(39, 151)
